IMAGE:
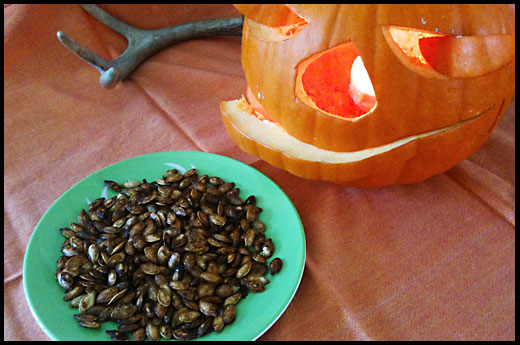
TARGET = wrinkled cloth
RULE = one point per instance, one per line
(429, 261)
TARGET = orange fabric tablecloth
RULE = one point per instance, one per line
(433, 260)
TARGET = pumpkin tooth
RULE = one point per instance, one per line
(256, 107)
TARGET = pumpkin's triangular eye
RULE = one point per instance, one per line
(436, 55)
(272, 22)
(336, 82)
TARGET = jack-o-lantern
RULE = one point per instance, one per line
(371, 95)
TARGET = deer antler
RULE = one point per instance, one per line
(144, 43)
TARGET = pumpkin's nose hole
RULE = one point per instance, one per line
(336, 82)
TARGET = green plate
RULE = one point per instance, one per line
(255, 314)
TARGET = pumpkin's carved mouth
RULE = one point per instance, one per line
(250, 122)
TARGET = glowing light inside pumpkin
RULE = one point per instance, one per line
(336, 82)
(359, 78)
(361, 88)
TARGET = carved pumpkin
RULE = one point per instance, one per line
(371, 95)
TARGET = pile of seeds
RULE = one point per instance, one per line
(169, 259)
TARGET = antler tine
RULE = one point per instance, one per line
(97, 61)
(110, 21)
(109, 72)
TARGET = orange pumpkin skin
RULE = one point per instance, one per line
(468, 99)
